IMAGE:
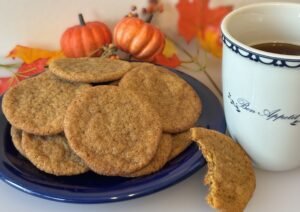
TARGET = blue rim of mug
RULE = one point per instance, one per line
(267, 58)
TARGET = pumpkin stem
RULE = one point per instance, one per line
(81, 19)
(149, 19)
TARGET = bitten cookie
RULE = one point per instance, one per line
(230, 176)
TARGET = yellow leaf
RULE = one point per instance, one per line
(210, 41)
(29, 55)
(169, 49)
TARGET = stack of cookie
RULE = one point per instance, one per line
(73, 118)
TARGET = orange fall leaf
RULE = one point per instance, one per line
(210, 41)
(29, 55)
(197, 19)
(168, 56)
(172, 61)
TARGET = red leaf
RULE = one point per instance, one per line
(167, 61)
(23, 72)
(7, 82)
(33, 68)
(195, 16)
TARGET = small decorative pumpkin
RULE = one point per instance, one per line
(138, 38)
(85, 39)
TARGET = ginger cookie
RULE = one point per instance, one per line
(176, 102)
(89, 70)
(113, 130)
(159, 160)
(16, 137)
(115, 83)
(37, 105)
(180, 142)
(52, 155)
(140, 64)
(230, 176)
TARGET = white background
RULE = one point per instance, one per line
(39, 23)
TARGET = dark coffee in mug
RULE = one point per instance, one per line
(278, 48)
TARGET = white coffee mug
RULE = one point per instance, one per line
(261, 90)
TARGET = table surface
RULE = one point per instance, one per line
(275, 191)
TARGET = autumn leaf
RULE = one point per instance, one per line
(6, 82)
(172, 62)
(168, 56)
(29, 55)
(23, 72)
(196, 19)
(210, 41)
(34, 68)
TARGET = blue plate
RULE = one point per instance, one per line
(92, 188)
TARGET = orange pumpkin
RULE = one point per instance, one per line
(138, 38)
(85, 39)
